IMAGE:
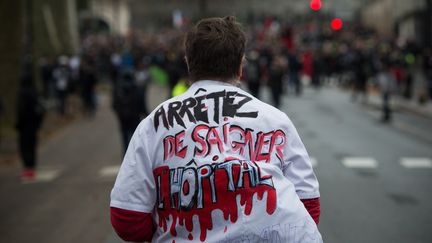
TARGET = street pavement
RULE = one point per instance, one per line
(374, 177)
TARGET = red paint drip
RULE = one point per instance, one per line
(227, 201)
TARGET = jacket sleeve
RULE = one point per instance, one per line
(132, 226)
(135, 187)
(297, 166)
(134, 194)
(313, 207)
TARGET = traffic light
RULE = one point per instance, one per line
(336, 24)
(315, 5)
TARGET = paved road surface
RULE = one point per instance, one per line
(374, 178)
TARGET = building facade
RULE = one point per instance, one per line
(407, 20)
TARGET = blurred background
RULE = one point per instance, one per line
(77, 76)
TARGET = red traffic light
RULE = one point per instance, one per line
(315, 5)
(336, 24)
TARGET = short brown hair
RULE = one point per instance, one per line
(215, 48)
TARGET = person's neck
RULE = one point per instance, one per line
(232, 81)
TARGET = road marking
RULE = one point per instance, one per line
(416, 163)
(109, 171)
(47, 175)
(360, 162)
(44, 175)
(314, 162)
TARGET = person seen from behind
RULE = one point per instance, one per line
(30, 113)
(128, 105)
(61, 75)
(387, 84)
(215, 164)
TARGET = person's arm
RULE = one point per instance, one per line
(134, 194)
(298, 168)
(313, 207)
(132, 226)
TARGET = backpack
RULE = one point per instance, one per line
(126, 101)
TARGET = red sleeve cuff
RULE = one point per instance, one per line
(313, 207)
(131, 225)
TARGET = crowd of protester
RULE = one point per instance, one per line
(279, 54)
(351, 58)
(286, 56)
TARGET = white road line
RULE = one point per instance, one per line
(416, 163)
(109, 171)
(314, 162)
(44, 175)
(47, 175)
(360, 162)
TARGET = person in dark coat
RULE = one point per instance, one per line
(88, 79)
(295, 66)
(128, 106)
(360, 76)
(30, 114)
(252, 73)
(61, 75)
(46, 70)
(387, 83)
(276, 74)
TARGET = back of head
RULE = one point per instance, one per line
(214, 49)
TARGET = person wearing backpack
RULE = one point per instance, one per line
(128, 106)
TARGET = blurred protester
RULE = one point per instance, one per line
(265, 61)
(30, 114)
(74, 67)
(61, 76)
(115, 66)
(427, 67)
(407, 89)
(128, 106)
(127, 62)
(360, 78)
(387, 83)
(252, 73)
(294, 67)
(142, 80)
(307, 59)
(46, 70)
(317, 70)
(276, 75)
(179, 88)
(172, 69)
(88, 80)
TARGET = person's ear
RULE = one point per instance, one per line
(187, 64)
(240, 71)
